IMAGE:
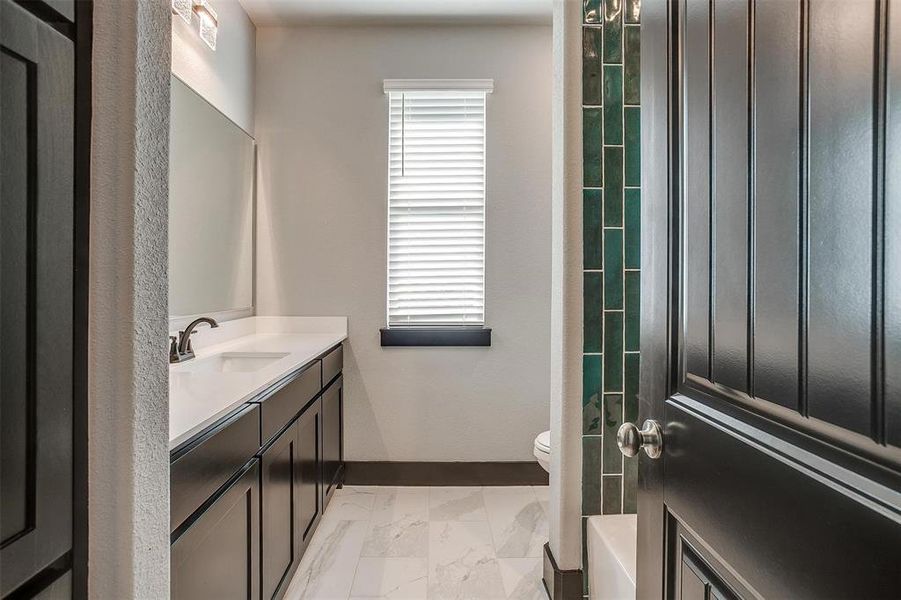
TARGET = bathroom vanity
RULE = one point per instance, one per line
(256, 453)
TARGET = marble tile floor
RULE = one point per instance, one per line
(427, 543)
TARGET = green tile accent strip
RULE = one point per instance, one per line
(613, 31)
(633, 310)
(613, 274)
(632, 62)
(611, 237)
(592, 229)
(633, 228)
(632, 149)
(612, 494)
(613, 191)
(591, 394)
(613, 418)
(613, 104)
(592, 132)
(593, 305)
(591, 11)
(613, 351)
(591, 465)
(591, 65)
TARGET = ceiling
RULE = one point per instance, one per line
(300, 12)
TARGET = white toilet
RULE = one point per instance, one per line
(542, 450)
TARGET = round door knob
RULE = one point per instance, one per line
(631, 439)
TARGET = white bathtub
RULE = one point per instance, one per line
(612, 541)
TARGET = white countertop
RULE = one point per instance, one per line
(198, 399)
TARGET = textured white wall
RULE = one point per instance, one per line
(224, 77)
(321, 121)
(128, 384)
(566, 303)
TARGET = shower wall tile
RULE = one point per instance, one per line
(593, 311)
(613, 418)
(591, 65)
(592, 229)
(591, 394)
(613, 31)
(612, 494)
(591, 12)
(613, 351)
(613, 274)
(632, 65)
(591, 464)
(632, 146)
(613, 104)
(632, 218)
(613, 191)
(592, 147)
(633, 11)
(632, 310)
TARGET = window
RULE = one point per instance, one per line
(436, 203)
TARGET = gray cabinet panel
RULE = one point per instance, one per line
(332, 442)
(218, 556)
(309, 468)
(281, 542)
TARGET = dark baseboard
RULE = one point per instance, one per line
(444, 473)
(561, 585)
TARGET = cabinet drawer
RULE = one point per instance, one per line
(203, 468)
(332, 364)
(279, 408)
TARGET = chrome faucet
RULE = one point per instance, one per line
(180, 348)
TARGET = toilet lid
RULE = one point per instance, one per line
(543, 441)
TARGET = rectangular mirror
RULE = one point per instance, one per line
(211, 211)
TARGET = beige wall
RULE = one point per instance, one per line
(321, 121)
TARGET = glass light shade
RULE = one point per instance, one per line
(184, 9)
(209, 23)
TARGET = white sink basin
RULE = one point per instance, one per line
(235, 362)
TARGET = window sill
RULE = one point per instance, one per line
(435, 336)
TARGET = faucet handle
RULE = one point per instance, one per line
(173, 349)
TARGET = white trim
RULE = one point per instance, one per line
(432, 85)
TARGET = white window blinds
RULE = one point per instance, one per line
(436, 203)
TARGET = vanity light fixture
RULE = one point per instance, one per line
(209, 21)
(184, 9)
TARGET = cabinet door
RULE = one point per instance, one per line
(218, 556)
(280, 466)
(309, 469)
(332, 436)
(36, 295)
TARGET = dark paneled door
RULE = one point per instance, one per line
(37, 243)
(771, 323)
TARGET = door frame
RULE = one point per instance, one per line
(84, 36)
(659, 185)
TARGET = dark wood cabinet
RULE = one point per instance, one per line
(37, 129)
(218, 555)
(297, 468)
(280, 467)
(332, 438)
